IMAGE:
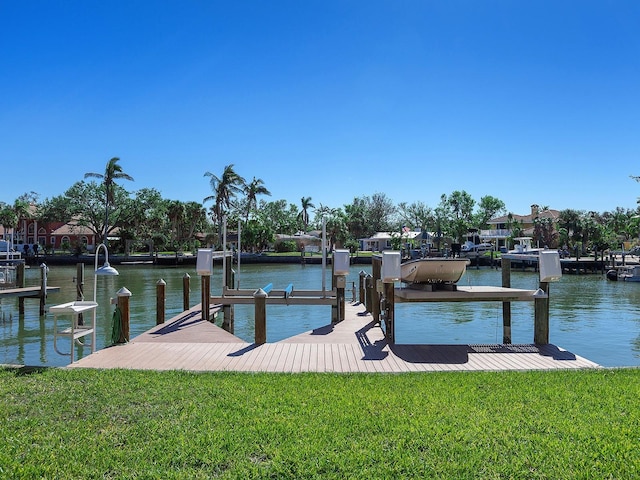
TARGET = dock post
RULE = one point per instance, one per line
(376, 267)
(506, 306)
(80, 288)
(368, 293)
(541, 321)
(20, 279)
(125, 313)
(361, 297)
(186, 288)
(161, 295)
(205, 297)
(260, 305)
(43, 287)
(389, 316)
(339, 282)
(228, 310)
(20, 282)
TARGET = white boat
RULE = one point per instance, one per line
(630, 273)
(433, 270)
(524, 246)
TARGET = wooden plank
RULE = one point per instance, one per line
(26, 292)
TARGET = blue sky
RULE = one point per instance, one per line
(527, 101)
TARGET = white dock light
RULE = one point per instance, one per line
(341, 262)
(549, 266)
(204, 262)
(391, 271)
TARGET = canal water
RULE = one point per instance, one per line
(589, 315)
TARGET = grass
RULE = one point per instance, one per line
(127, 424)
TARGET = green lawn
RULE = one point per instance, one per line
(127, 424)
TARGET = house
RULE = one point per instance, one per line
(500, 227)
(55, 234)
(381, 241)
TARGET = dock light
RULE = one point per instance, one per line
(105, 270)
(204, 262)
(391, 270)
(549, 266)
(341, 262)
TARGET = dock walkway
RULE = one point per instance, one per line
(27, 292)
(354, 345)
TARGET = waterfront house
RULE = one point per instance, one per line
(500, 228)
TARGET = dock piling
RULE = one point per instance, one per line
(124, 296)
(161, 295)
(260, 306)
(186, 289)
(506, 306)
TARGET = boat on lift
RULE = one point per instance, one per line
(433, 270)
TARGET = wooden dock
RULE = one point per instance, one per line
(354, 345)
(26, 292)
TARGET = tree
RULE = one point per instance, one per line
(144, 218)
(488, 208)
(225, 188)
(8, 217)
(112, 172)
(417, 215)
(356, 223)
(283, 218)
(381, 212)
(251, 191)
(83, 205)
(458, 211)
(544, 232)
(304, 212)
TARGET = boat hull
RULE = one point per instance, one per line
(433, 270)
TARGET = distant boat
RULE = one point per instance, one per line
(524, 246)
(433, 270)
(629, 273)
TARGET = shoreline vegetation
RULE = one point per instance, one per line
(61, 423)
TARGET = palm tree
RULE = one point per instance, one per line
(112, 172)
(304, 213)
(8, 219)
(224, 188)
(21, 208)
(252, 190)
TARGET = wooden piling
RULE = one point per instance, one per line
(368, 300)
(205, 297)
(186, 289)
(506, 306)
(20, 278)
(376, 269)
(541, 321)
(361, 287)
(124, 296)
(228, 312)
(260, 306)
(161, 295)
(389, 316)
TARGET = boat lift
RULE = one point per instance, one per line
(260, 297)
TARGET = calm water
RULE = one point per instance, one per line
(589, 316)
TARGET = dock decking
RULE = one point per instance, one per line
(353, 345)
